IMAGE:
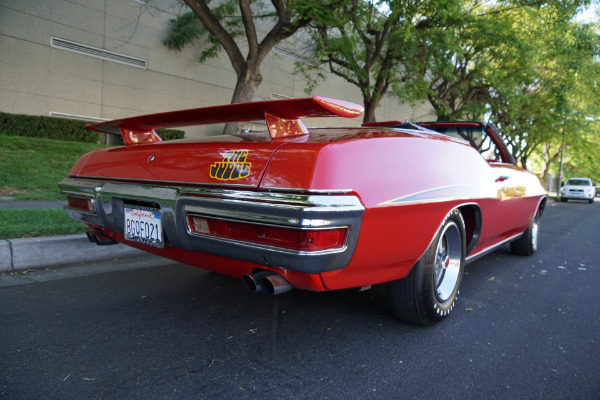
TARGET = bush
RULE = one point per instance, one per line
(59, 128)
(170, 134)
(46, 127)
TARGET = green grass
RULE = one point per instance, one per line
(33, 223)
(30, 168)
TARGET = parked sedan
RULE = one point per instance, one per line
(316, 209)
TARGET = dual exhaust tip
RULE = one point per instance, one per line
(266, 281)
(261, 281)
(100, 238)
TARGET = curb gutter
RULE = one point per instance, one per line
(20, 254)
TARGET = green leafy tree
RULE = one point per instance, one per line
(226, 25)
(375, 45)
(556, 100)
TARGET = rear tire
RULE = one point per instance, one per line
(527, 243)
(428, 293)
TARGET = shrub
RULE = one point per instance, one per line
(59, 128)
(46, 127)
(170, 134)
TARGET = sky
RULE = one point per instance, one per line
(590, 14)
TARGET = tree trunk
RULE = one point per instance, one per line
(371, 104)
(244, 92)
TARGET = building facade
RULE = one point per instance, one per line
(105, 59)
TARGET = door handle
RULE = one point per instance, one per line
(502, 178)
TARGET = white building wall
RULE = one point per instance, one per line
(38, 79)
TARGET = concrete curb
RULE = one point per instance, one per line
(20, 254)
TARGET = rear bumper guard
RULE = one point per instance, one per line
(299, 210)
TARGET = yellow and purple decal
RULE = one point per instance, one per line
(234, 166)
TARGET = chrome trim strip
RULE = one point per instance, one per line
(299, 190)
(150, 181)
(257, 219)
(209, 185)
(296, 210)
(491, 248)
(253, 246)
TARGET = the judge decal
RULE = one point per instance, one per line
(233, 166)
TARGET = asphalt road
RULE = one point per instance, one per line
(525, 328)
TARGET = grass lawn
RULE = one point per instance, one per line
(30, 168)
(33, 223)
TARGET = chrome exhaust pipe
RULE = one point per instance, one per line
(266, 281)
(100, 238)
(91, 237)
(273, 284)
(252, 281)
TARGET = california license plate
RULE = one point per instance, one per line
(143, 225)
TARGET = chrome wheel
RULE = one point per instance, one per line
(447, 264)
(534, 232)
(429, 292)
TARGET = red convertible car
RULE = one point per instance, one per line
(316, 209)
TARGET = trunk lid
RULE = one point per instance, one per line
(230, 160)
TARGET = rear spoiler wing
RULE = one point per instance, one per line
(282, 117)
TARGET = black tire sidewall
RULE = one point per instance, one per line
(433, 307)
(424, 307)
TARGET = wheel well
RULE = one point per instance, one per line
(472, 216)
(542, 206)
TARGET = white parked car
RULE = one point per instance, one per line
(578, 189)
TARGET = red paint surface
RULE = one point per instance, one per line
(407, 181)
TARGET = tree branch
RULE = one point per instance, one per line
(208, 19)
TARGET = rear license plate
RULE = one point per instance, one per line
(143, 225)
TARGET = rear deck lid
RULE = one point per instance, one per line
(237, 159)
(221, 160)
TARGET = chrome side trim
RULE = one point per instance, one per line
(491, 248)
(295, 210)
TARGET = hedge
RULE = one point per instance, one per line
(59, 128)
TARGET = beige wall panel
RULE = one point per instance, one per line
(78, 16)
(223, 96)
(97, 5)
(165, 63)
(75, 65)
(24, 26)
(20, 52)
(25, 79)
(287, 91)
(198, 94)
(71, 88)
(23, 103)
(227, 79)
(73, 107)
(130, 101)
(33, 7)
(127, 30)
(126, 76)
(195, 71)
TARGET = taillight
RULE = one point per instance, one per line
(80, 203)
(288, 238)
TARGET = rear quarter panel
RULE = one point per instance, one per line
(407, 183)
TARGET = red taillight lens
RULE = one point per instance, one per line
(81, 204)
(289, 238)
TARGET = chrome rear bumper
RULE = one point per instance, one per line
(300, 210)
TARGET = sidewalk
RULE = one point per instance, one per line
(21, 254)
